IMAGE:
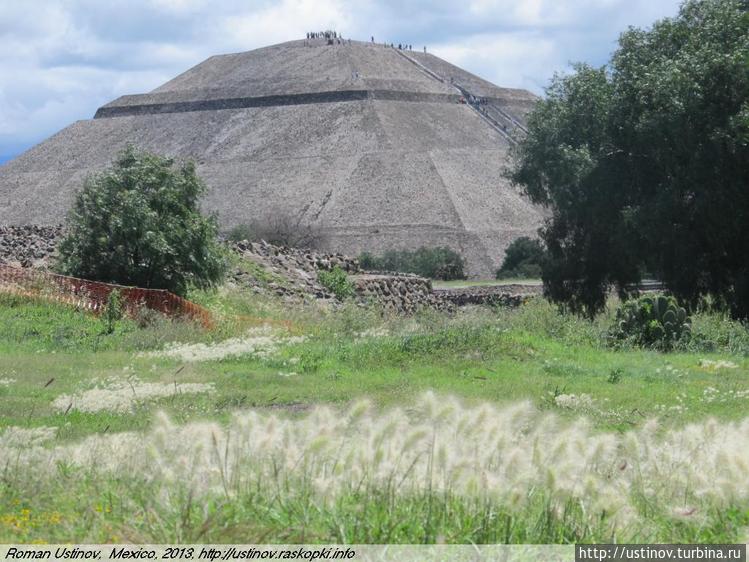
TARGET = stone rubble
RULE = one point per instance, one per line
(29, 245)
(398, 293)
(289, 272)
(494, 295)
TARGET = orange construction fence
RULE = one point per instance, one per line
(93, 295)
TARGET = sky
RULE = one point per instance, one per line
(61, 60)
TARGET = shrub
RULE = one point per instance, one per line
(656, 322)
(615, 375)
(336, 281)
(368, 261)
(241, 232)
(716, 332)
(523, 258)
(113, 311)
(138, 223)
(434, 263)
(282, 228)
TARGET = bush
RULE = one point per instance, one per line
(434, 263)
(716, 332)
(523, 259)
(282, 228)
(113, 311)
(368, 261)
(657, 322)
(336, 281)
(138, 223)
(241, 232)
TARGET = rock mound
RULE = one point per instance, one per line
(292, 274)
(372, 146)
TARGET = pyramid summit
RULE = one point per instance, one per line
(375, 147)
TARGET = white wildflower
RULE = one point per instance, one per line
(15, 436)
(260, 342)
(684, 512)
(712, 394)
(123, 397)
(573, 401)
(380, 332)
(711, 365)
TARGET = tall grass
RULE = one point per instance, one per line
(436, 471)
(30, 323)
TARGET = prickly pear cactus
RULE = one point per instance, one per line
(652, 322)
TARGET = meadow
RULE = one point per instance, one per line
(338, 424)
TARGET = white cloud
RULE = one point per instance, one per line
(516, 60)
(179, 6)
(61, 59)
(285, 20)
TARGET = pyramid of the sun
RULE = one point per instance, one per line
(368, 143)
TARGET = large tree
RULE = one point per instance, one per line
(644, 163)
(138, 223)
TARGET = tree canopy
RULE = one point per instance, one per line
(523, 258)
(138, 223)
(644, 163)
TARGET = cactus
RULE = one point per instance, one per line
(669, 316)
(681, 315)
(662, 304)
(652, 322)
(657, 332)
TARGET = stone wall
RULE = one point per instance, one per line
(493, 295)
(131, 106)
(403, 294)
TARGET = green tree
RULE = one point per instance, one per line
(113, 310)
(644, 163)
(138, 223)
(434, 263)
(523, 258)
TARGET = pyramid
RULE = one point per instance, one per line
(373, 146)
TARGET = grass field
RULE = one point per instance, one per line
(486, 426)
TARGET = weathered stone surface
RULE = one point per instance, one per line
(399, 293)
(515, 102)
(28, 246)
(497, 295)
(396, 164)
(295, 270)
